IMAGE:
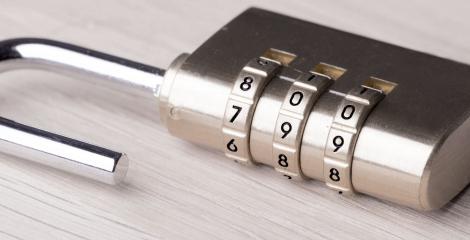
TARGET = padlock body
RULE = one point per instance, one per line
(410, 149)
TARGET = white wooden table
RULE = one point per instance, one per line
(176, 190)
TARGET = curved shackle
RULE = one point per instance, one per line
(58, 151)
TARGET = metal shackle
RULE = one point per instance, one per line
(58, 151)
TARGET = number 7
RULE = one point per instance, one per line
(239, 109)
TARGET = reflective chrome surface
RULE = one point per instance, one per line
(410, 149)
(63, 57)
(62, 153)
(428, 107)
(54, 150)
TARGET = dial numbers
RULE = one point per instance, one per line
(241, 104)
(343, 135)
(294, 111)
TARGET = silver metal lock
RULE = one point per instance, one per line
(312, 102)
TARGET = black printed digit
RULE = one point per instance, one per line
(262, 62)
(231, 146)
(363, 90)
(238, 110)
(246, 84)
(348, 112)
(338, 141)
(334, 174)
(311, 77)
(286, 127)
(296, 98)
(283, 160)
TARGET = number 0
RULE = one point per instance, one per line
(348, 112)
(296, 98)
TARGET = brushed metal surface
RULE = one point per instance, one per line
(396, 153)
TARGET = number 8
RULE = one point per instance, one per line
(334, 175)
(246, 84)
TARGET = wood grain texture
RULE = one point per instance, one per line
(175, 190)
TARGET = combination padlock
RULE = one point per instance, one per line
(312, 102)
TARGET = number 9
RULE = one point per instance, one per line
(286, 127)
(338, 141)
